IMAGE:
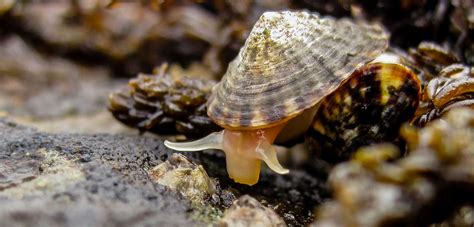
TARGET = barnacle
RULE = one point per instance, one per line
(165, 103)
(453, 87)
(431, 58)
(433, 180)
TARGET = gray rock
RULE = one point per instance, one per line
(58, 179)
(83, 180)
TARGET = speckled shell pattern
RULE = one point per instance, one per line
(369, 108)
(290, 62)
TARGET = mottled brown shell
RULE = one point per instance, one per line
(290, 62)
(369, 108)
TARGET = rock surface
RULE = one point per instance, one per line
(103, 179)
(79, 180)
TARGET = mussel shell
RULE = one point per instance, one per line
(368, 108)
(290, 62)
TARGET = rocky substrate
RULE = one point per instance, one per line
(102, 179)
(75, 180)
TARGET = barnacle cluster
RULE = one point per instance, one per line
(453, 88)
(448, 83)
(427, 185)
(430, 58)
(166, 102)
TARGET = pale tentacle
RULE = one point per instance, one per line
(211, 141)
(267, 153)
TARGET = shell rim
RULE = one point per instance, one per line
(359, 69)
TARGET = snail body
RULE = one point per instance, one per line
(288, 65)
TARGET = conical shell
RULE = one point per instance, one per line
(290, 61)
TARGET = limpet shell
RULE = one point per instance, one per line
(289, 63)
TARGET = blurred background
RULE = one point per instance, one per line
(60, 59)
(65, 65)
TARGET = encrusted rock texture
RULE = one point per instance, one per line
(105, 180)
(83, 180)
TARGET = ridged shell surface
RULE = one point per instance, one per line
(290, 61)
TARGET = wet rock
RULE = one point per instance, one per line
(53, 173)
(191, 180)
(247, 211)
(45, 181)
(106, 179)
(104, 176)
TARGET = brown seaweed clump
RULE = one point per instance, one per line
(166, 102)
(425, 187)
